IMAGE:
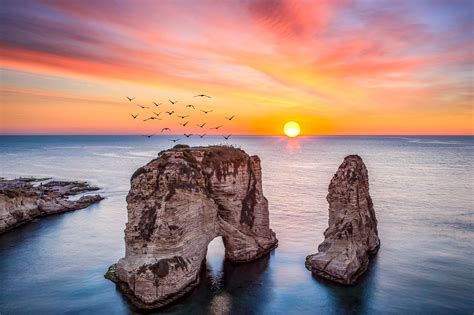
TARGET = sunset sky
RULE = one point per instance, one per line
(336, 67)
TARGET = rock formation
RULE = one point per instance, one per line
(21, 201)
(352, 233)
(177, 204)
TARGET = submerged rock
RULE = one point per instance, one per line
(352, 233)
(177, 204)
(21, 201)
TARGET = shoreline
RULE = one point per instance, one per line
(24, 199)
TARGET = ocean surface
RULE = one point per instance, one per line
(422, 188)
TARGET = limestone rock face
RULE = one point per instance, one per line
(21, 201)
(352, 233)
(177, 204)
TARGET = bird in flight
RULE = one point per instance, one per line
(230, 118)
(130, 98)
(173, 102)
(150, 118)
(148, 136)
(134, 116)
(190, 106)
(226, 137)
(202, 95)
(165, 129)
(182, 117)
(217, 127)
(157, 114)
(201, 136)
(201, 126)
(206, 111)
(143, 107)
(170, 113)
(188, 135)
(184, 125)
(174, 140)
(156, 104)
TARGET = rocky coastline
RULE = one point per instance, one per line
(24, 199)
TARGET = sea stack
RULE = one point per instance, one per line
(177, 204)
(352, 234)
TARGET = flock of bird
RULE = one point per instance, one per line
(174, 107)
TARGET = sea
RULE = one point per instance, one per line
(423, 193)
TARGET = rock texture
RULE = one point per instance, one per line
(21, 201)
(177, 204)
(352, 234)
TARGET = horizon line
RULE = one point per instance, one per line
(245, 135)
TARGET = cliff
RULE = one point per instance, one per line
(352, 234)
(21, 201)
(177, 204)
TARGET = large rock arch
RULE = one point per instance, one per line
(177, 204)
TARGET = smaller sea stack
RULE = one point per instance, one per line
(352, 234)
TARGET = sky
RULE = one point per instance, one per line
(335, 67)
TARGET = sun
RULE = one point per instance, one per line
(292, 129)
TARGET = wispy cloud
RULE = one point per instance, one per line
(329, 60)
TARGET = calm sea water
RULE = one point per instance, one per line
(422, 189)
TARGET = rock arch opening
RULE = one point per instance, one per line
(215, 259)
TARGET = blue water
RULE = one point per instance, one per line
(422, 189)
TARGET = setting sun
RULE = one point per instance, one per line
(292, 129)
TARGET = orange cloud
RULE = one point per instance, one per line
(337, 67)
